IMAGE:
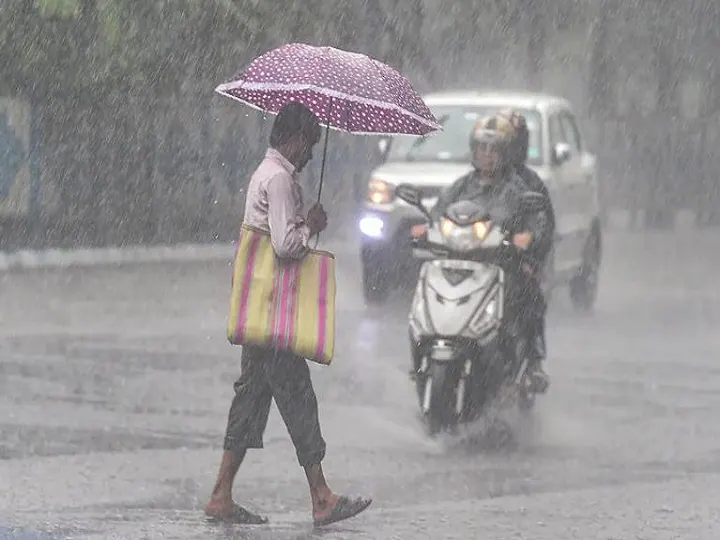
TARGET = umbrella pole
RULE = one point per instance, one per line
(322, 166)
(327, 136)
(322, 172)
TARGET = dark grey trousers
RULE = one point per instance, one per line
(268, 374)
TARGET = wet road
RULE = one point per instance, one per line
(115, 383)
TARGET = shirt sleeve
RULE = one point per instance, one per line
(289, 238)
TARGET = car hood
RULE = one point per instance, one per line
(421, 173)
(433, 174)
(542, 171)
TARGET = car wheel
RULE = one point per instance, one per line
(409, 278)
(376, 287)
(584, 286)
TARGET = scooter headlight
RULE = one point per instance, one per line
(464, 238)
(481, 229)
(447, 227)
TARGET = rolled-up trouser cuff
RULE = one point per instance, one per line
(231, 444)
(312, 457)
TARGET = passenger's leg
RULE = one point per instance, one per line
(538, 347)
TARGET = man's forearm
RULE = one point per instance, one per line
(293, 244)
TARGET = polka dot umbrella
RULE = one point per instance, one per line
(347, 91)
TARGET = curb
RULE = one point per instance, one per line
(65, 258)
(61, 258)
(616, 220)
(622, 220)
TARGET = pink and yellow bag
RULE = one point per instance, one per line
(285, 304)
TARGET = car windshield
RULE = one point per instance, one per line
(453, 143)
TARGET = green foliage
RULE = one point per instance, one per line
(58, 8)
(82, 43)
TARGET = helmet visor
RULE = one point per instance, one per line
(487, 151)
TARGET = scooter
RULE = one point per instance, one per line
(468, 339)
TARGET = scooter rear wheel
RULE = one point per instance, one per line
(526, 401)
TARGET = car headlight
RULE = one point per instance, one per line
(463, 238)
(372, 226)
(380, 192)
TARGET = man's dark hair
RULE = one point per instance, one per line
(292, 119)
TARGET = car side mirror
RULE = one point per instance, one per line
(561, 153)
(383, 145)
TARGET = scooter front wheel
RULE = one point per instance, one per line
(437, 398)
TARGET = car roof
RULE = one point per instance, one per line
(494, 98)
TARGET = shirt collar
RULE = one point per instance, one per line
(281, 160)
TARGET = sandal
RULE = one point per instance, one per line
(239, 516)
(344, 509)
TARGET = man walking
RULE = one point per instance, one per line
(274, 204)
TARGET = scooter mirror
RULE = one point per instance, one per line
(409, 193)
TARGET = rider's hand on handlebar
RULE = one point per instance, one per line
(419, 231)
(522, 240)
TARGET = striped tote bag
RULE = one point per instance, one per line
(283, 304)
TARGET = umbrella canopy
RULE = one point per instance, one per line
(347, 91)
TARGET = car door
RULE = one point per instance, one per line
(580, 183)
(559, 185)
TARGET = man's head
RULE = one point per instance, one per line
(521, 142)
(490, 143)
(295, 132)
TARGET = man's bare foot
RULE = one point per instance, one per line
(323, 508)
(229, 512)
(337, 509)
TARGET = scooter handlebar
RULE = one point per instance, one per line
(444, 250)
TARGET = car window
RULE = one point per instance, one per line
(571, 131)
(452, 144)
(556, 130)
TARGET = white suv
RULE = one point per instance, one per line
(556, 153)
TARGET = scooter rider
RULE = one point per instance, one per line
(492, 143)
(518, 156)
